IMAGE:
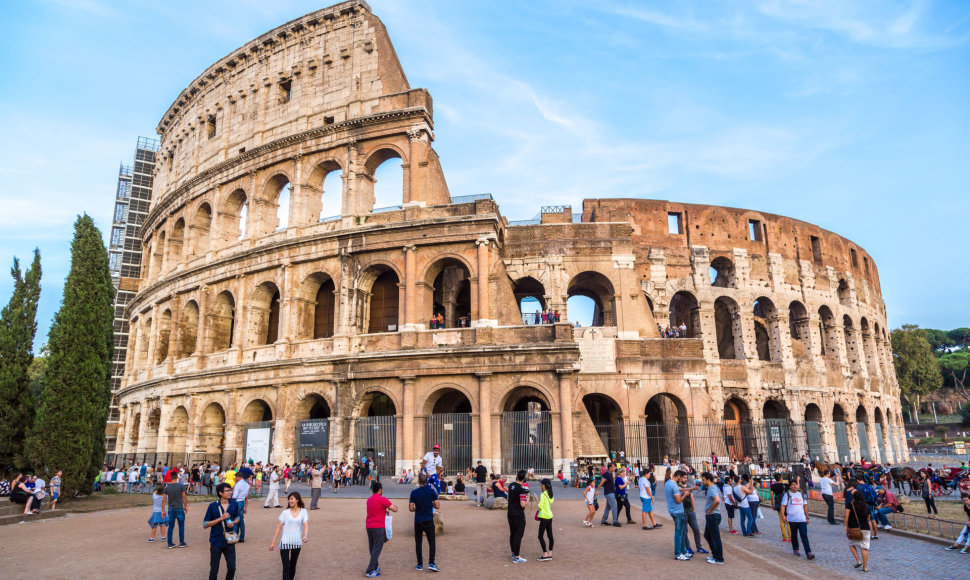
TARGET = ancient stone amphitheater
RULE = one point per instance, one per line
(265, 328)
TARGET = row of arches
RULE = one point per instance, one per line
(590, 299)
(279, 203)
(723, 274)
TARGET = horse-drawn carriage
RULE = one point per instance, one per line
(946, 482)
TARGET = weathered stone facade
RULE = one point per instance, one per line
(252, 312)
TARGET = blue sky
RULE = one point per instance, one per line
(850, 115)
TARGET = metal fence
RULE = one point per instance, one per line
(527, 441)
(453, 431)
(881, 443)
(863, 441)
(153, 458)
(842, 441)
(813, 433)
(376, 437)
(469, 198)
(901, 521)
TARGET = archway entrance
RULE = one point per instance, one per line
(599, 290)
(813, 431)
(212, 434)
(685, 315)
(530, 295)
(313, 429)
(608, 421)
(861, 425)
(450, 293)
(178, 431)
(880, 439)
(449, 424)
(841, 434)
(779, 438)
(375, 432)
(737, 427)
(526, 431)
(665, 417)
(258, 419)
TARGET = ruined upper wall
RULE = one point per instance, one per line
(324, 68)
(723, 229)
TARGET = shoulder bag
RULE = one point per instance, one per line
(854, 534)
(231, 537)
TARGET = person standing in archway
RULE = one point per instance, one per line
(432, 461)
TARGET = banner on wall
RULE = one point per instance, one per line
(257, 444)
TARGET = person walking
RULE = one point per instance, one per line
(481, 484)
(220, 520)
(177, 499)
(857, 520)
(316, 484)
(794, 512)
(608, 484)
(158, 517)
(754, 502)
(375, 522)
(927, 495)
(274, 488)
(55, 489)
(589, 496)
(826, 486)
(423, 502)
(646, 503)
(518, 498)
(292, 533)
(739, 496)
(240, 495)
(622, 485)
(675, 495)
(778, 489)
(544, 515)
(712, 518)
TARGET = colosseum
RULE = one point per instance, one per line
(265, 328)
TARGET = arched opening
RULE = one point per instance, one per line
(283, 207)
(449, 424)
(841, 433)
(851, 345)
(775, 410)
(813, 413)
(383, 307)
(798, 327)
(188, 328)
(143, 343)
(164, 333)
(665, 418)
(178, 430)
(722, 273)
(737, 429)
(317, 306)
(212, 432)
(234, 215)
(880, 429)
(685, 315)
(221, 322)
(151, 430)
(384, 179)
(597, 288)
(868, 347)
(376, 430)
(727, 324)
(257, 411)
(828, 332)
(862, 423)
(257, 421)
(199, 231)
(778, 433)
(450, 294)
(324, 310)
(843, 293)
(526, 431)
(313, 428)
(813, 431)
(313, 406)
(134, 431)
(764, 320)
(175, 243)
(331, 198)
(158, 258)
(275, 199)
(265, 314)
(530, 295)
(607, 419)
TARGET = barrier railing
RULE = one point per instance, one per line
(947, 529)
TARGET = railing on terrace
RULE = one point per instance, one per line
(533, 222)
(900, 521)
(386, 209)
(332, 218)
(469, 198)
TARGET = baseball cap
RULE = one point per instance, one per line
(437, 447)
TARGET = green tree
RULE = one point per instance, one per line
(955, 367)
(960, 336)
(69, 430)
(916, 368)
(938, 339)
(18, 326)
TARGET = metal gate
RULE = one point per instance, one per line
(779, 441)
(376, 437)
(612, 436)
(814, 436)
(881, 443)
(527, 441)
(842, 441)
(863, 441)
(258, 425)
(313, 440)
(892, 440)
(453, 431)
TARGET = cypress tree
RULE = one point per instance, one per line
(18, 326)
(69, 430)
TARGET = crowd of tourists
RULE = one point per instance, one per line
(30, 490)
(673, 331)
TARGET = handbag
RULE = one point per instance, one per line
(854, 534)
(387, 527)
(596, 504)
(231, 536)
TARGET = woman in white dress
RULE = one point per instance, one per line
(291, 533)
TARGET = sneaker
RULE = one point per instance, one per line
(544, 559)
(170, 546)
(887, 527)
(604, 524)
(519, 560)
(733, 532)
(702, 551)
(419, 567)
(151, 540)
(710, 559)
(953, 548)
(373, 574)
(183, 545)
(718, 562)
(810, 556)
(690, 552)
(659, 526)
(617, 525)
(797, 553)
(433, 568)
(682, 558)
(965, 550)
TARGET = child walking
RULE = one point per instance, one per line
(158, 518)
(545, 520)
(590, 497)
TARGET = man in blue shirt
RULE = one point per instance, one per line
(221, 516)
(675, 494)
(423, 502)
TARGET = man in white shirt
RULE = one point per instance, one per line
(240, 495)
(826, 488)
(793, 512)
(274, 488)
(432, 460)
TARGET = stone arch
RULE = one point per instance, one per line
(526, 398)
(233, 216)
(134, 431)
(775, 409)
(665, 416)
(737, 421)
(813, 413)
(765, 319)
(685, 310)
(274, 203)
(727, 324)
(151, 429)
(313, 406)
(318, 306)
(852, 344)
(256, 410)
(736, 409)
(861, 414)
(379, 298)
(530, 295)
(828, 332)
(845, 298)
(722, 273)
(838, 413)
(199, 230)
(222, 322)
(448, 399)
(607, 419)
(164, 335)
(158, 256)
(188, 330)
(176, 244)
(178, 430)
(264, 314)
(376, 402)
(448, 291)
(374, 160)
(599, 289)
(799, 328)
(145, 338)
(868, 347)
(324, 203)
(212, 429)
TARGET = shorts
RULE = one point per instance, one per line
(647, 506)
(55, 495)
(730, 511)
(864, 542)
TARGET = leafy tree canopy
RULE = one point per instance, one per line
(917, 370)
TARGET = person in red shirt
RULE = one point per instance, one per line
(377, 508)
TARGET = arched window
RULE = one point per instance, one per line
(764, 322)
(685, 315)
(530, 295)
(798, 327)
(843, 293)
(384, 180)
(175, 244)
(234, 215)
(199, 231)
(450, 294)
(265, 311)
(727, 324)
(189, 327)
(598, 289)
(722, 273)
(380, 312)
(222, 322)
(164, 332)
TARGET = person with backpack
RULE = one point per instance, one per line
(857, 526)
(872, 502)
(778, 489)
(794, 513)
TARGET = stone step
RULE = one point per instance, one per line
(20, 517)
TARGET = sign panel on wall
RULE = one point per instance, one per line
(314, 434)
(257, 444)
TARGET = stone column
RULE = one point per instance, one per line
(485, 417)
(483, 293)
(407, 430)
(566, 416)
(410, 291)
(142, 425)
(414, 151)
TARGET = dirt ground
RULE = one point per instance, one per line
(475, 542)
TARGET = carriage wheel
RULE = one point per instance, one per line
(965, 484)
(936, 489)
